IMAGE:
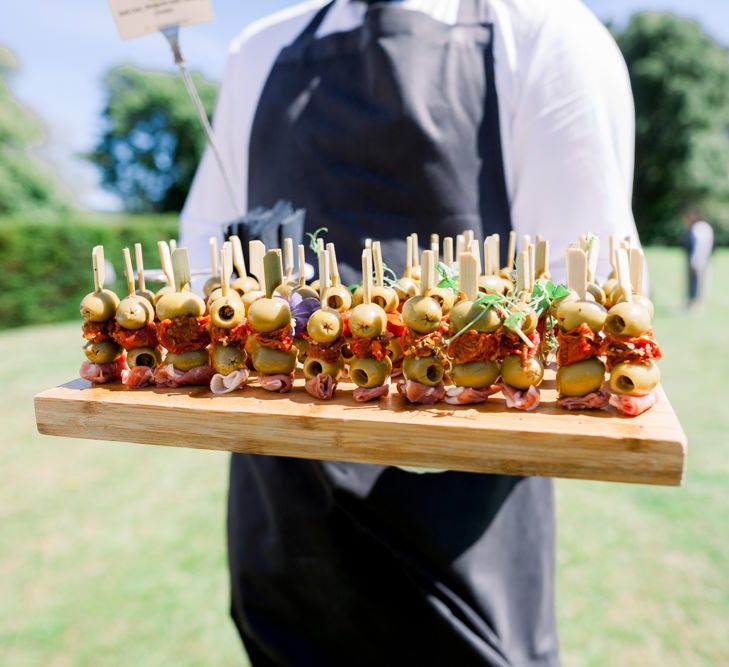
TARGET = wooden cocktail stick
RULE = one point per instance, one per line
(593, 254)
(435, 247)
(368, 243)
(239, 261)
(427, 272)
(333, 266)
(173, 246)
(448, 251)
(637, 264)
(460, 245)
(511, 251)
(256, 251)
(288, 253)
(525, 241)
(367, 275)
(468, 236)
(577, 272)
(542, 258)
(476, 252)
(532, 266)
(165, 258)
(97, 264)
(623, 267)
(522, 268)
(468, 275)
(377, 262)
(214, 257)
(487, 256)
(272, 271)
(416, 250)
(128, 271)
(301, 251)
(226, 267)
(408, 272)
(139, 260)
(540, 239)
(324, 272)
(181, 268)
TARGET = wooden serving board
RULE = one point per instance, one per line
(551, 442)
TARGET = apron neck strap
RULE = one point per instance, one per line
(472, 12)
(308, 33)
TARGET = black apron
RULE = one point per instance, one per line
(380, 131)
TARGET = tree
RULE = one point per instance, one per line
(680, 80)
(26, 184)
(152, 141)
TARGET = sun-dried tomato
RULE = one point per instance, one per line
(511, 343)
(370, 348)
(328, 352)
(474, 345)
(631, 349)
(97, 332)
(131, 339)
(276, 340)
(577, 345)
(184, 334)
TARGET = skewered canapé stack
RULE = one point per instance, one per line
(136, 331)
(104, 357)
(228, 332)
(422, 341)
(269, 326)
(183, 331)
(370, 366)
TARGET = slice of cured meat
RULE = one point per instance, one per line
(521, 400)
(103, 373)
(322, 386)
(224, 384)
(596, 400)
(363, 395)
(137, 377)
(166, 375)
(419, 393)
(633, 405)
(280, 383)
(469, 395)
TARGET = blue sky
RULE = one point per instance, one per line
(65, 46)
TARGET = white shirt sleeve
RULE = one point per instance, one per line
(569, 154)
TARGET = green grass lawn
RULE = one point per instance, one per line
(114, 554)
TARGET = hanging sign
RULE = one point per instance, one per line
(135, 18)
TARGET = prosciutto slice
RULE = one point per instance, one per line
(633, 405)
(168, 376)
(224, 384)
(363, 395)
(468, 395)
(103, 373)
(322, 386)
(521, 400)
(137, 377)
(279, 383)
(416, 392)
(596, 400)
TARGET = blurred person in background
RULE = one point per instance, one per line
(698, 240)
(383, 118)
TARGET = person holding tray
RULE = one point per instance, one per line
(382, 119)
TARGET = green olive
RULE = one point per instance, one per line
(102, 353)
(143, 356)
(347, 354)
(302, 349)
(179, 304)
(186, 361)
(210, 284)
(422, 314)
(245, 285)
(252, 345)
(163, 291)
(338, 297)
(134, 312)
(227, 358)
(325, 325)
(285, 289)
(386, 298)
(267, 315)
(554, 307)
(394, 349)
(531, 319)
(250, 297)
(367, 321)
(634, 379)
(616, 295)
(147, 294)
(405, 288)
(369, 373)
(628, 318)
(425, 370)
(607, 287)
(305, 292)
(596, 292)
(358, 296)
(644, 301)
(314, 284)
(465, 312)
(494, 285)
(312, 368)
(580, 378)
(217, 293)
(268, 361)
(571, 314)
(477, 374)
(445, 297)
(415, 273)
(227, 312)
(99, 306)
(522, 376)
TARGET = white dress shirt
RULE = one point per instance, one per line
(565, 108)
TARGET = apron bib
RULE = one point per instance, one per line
(380, 131)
